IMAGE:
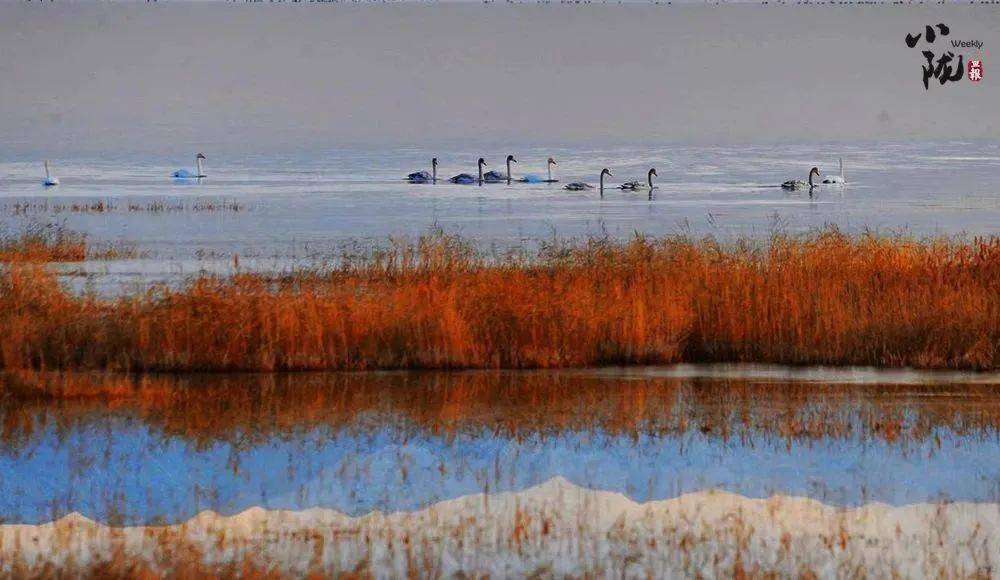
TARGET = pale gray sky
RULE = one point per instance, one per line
(166, 77)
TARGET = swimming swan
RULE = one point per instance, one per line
(636, 186)
(580, 186)
(423, 176)
(836, 179)
(795, 184)
(185, 174)
(466, 179)
(496, 176)
(535, 178)
(50, 179)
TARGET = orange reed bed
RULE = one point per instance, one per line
(827, 298)
(43, 243)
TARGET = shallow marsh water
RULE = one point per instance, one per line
(162, 449)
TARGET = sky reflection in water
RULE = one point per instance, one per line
(127, 467)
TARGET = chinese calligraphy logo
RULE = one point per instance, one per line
(945, 68)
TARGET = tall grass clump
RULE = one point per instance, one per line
(39, 243)
(834, 299)
(827, 298)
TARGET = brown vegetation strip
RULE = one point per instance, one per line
(824, 299)
(43, 243)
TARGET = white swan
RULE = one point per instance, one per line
(535, 178)
(185, 174)
(50, 179)
(836, 179)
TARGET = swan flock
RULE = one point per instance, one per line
(489, 177)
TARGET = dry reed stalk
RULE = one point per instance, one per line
(824, 299)
(43, 243)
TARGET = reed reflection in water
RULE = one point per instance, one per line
(161, 448)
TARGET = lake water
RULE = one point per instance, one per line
(294, 211)
(164, 448)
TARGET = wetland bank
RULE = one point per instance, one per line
(385, 455)
(432, 380)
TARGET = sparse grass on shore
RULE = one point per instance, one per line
(556, 529)
(827, 298)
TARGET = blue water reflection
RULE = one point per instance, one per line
(122, 469)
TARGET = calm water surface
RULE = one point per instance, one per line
(165, 448)
(295, 210)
